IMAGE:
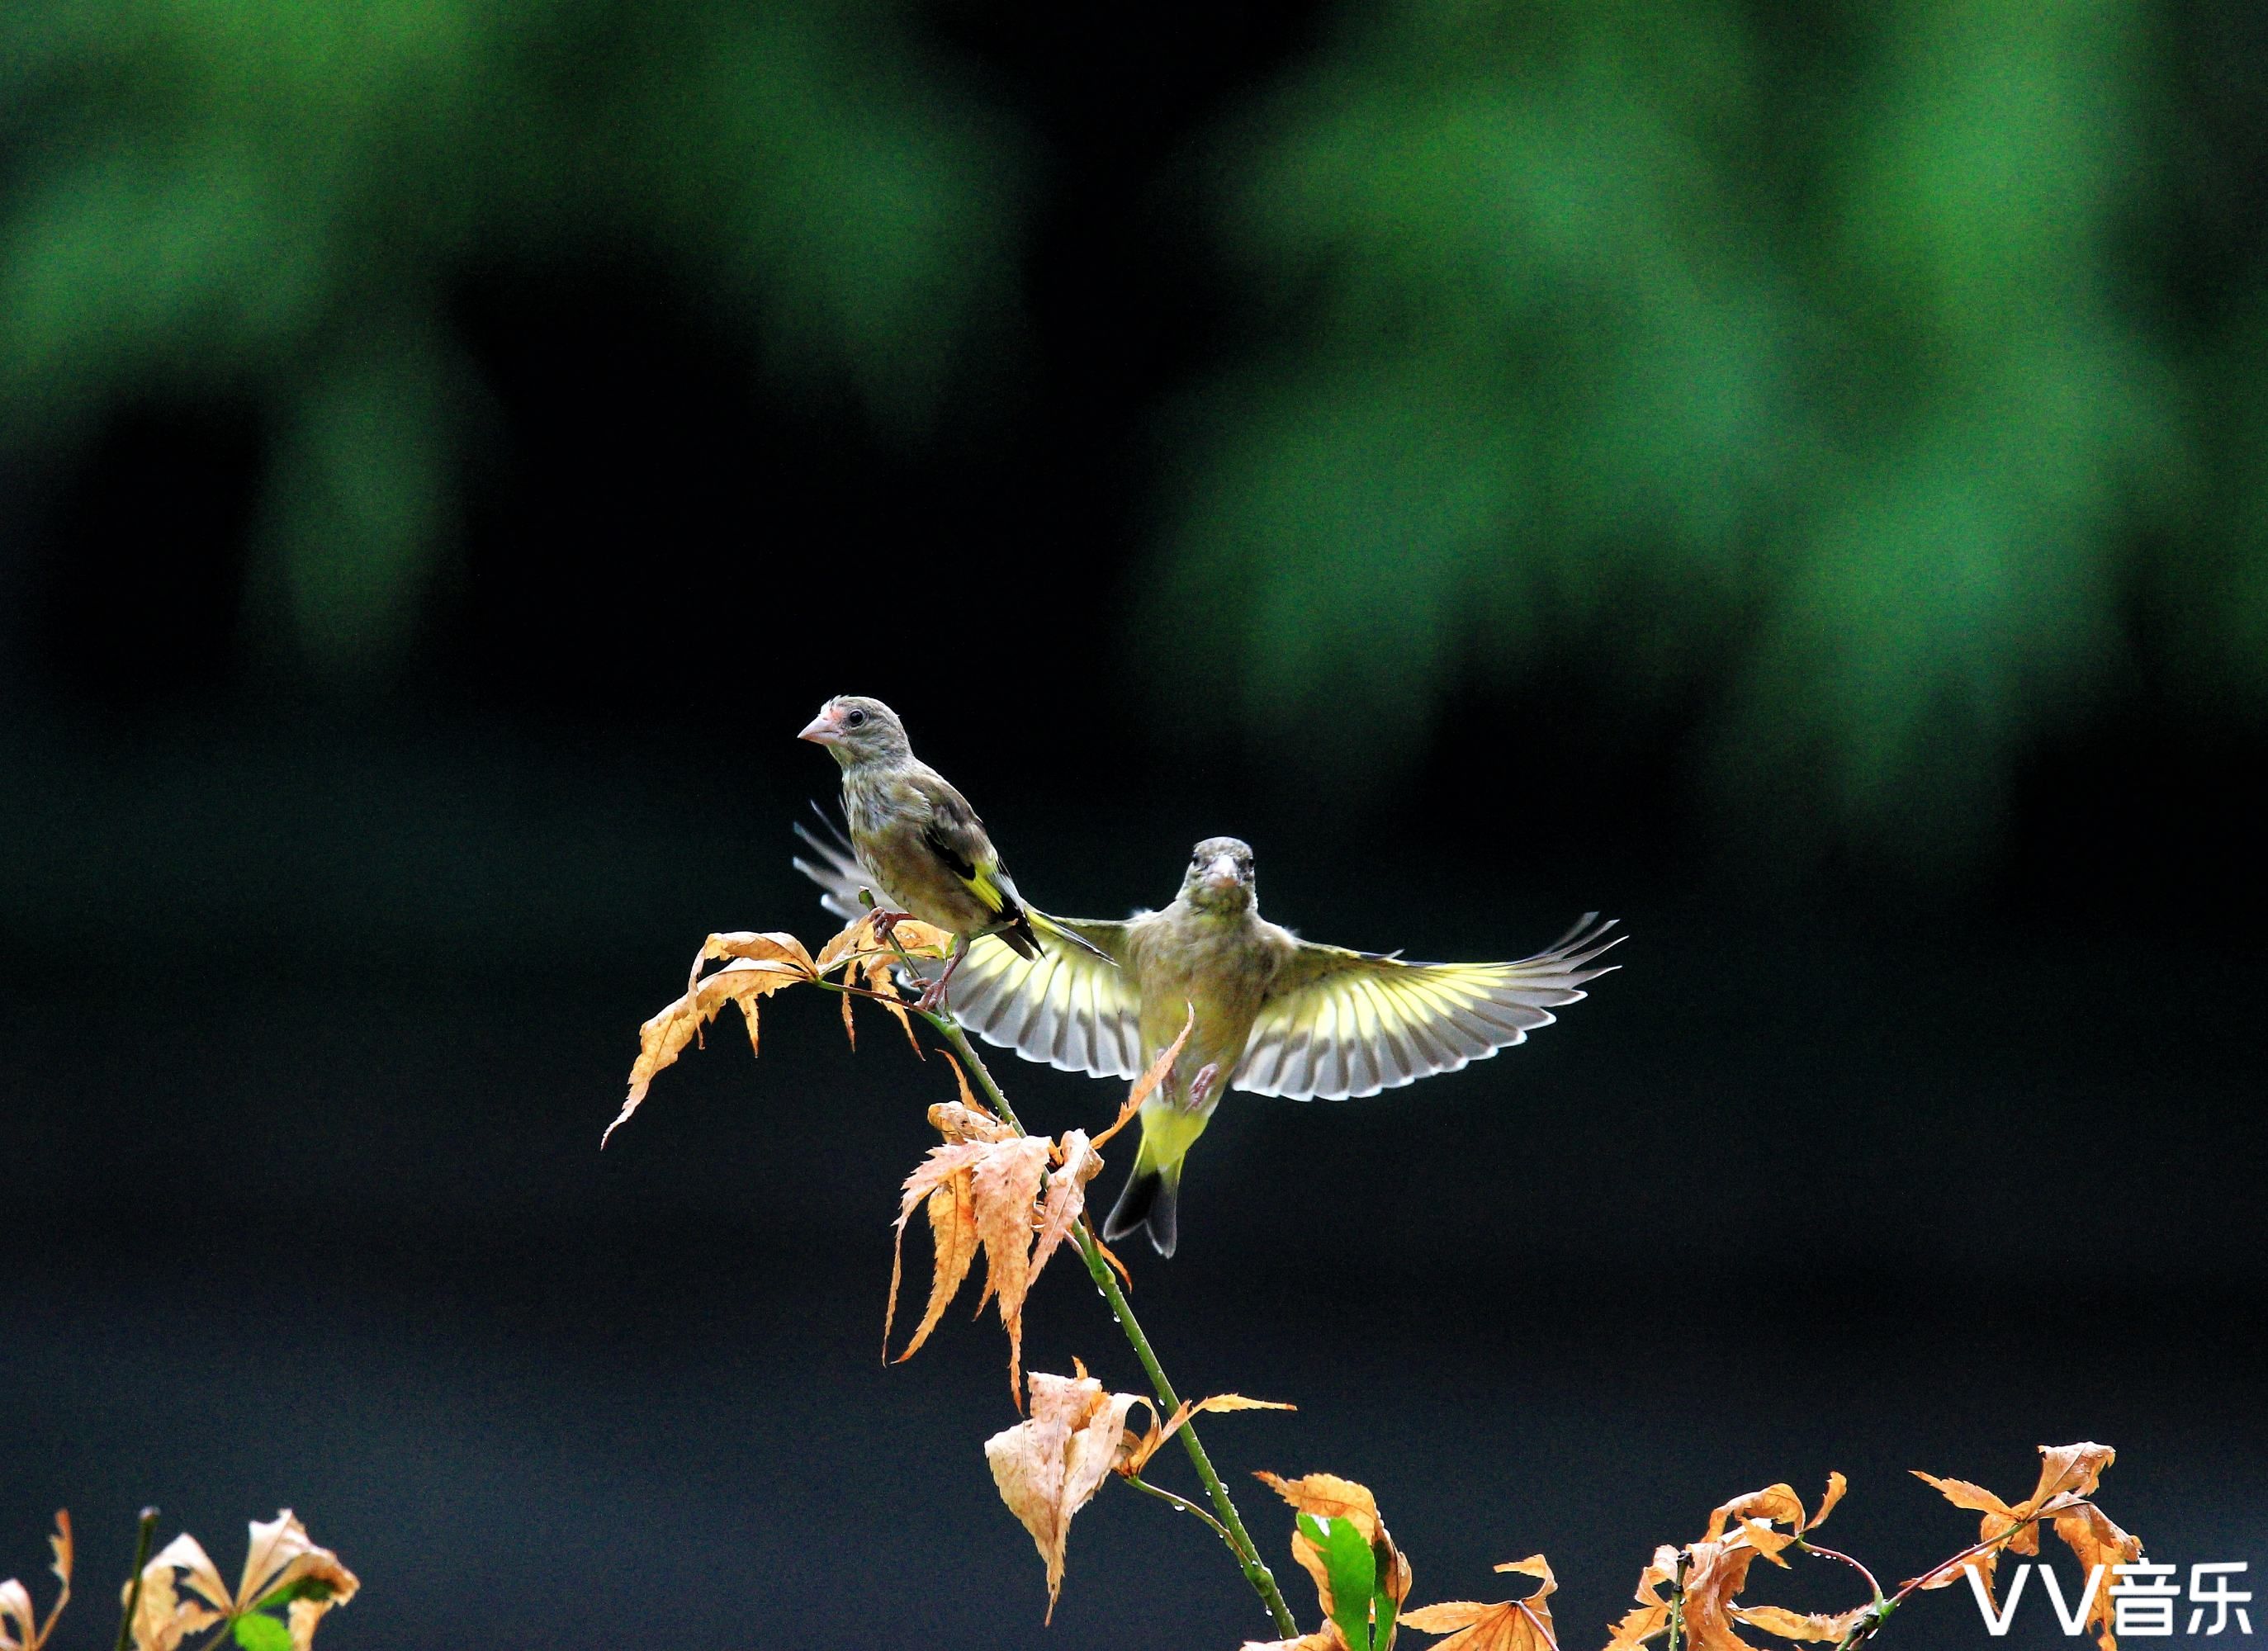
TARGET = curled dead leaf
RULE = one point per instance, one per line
(1513, 1625)
(2068, 1474)
(20, 1627)
(867, 951)
(1715, 1572)
(759, 965)
(2089, 1533)
(1789, 1625)
(1147, 1083)
(283, 1569)
(1652, 1615)
(1326, 1497)
(1138, 1454)
(1050, 1465)
(877, 963)
(987, 1187)
(1715, 1569)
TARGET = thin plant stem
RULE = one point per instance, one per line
(1231, 1523)
(149, 1529)
(1830, 1553)
(1182, 1504)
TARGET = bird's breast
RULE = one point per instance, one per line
(1222, 972)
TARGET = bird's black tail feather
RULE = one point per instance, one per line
(1018, 935)
(1148, 1201)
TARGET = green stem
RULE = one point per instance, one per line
(1239, 1540)
(134, 1587)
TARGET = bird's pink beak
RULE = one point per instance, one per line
(1221, 874)
(825, 728)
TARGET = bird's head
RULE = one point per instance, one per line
(858, 730)
(1220, 877)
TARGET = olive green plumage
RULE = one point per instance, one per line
(1275, 1015)
(914, 833)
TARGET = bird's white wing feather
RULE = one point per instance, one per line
(1353, 1022)
(1070, 1006)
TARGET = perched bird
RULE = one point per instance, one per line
(925, 850)
(1275, 1015)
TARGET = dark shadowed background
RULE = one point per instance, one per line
(1787, 477)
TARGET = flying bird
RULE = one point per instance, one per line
(918, 844)
(1274, 1015)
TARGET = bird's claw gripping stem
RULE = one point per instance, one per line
(931, 1000)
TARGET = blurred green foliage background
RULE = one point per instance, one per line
(1874, 385)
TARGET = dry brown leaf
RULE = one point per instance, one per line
(967, 1096)
(988, 1187)
(20, 1628)
(1007, 1182)
(1715, 1572)
(1790, 1625)
(956, 1120)
(868, 953)
(2068, 1473)
(1512, 1625)
(1758, 1511)
(1050, 1465)
(1328, 1496)
(1147, 1083)
(279, 1556)
(1138, 1455)
(942, 1181)
(760, 965)
(1652, 1615)
(162, 1618)
(1078, 1163)
(2089, 1533)
(1836, 1486)
(1716, 1568)
(748, 946)
(1327, 1638)
(869, 960)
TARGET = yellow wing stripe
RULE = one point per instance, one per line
(981, 885)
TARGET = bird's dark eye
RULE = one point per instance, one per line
(856, 719)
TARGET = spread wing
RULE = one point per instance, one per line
(1353, 1022)
(836, 870)
(1070, 1006)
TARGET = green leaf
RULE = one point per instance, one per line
(1354, 1571)
(257, 1632)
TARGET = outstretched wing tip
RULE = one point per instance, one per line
(1372, 1022)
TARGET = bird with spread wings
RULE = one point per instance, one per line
(1274, 1015)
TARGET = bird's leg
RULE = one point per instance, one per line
(1200, 1085)
(932, 999)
